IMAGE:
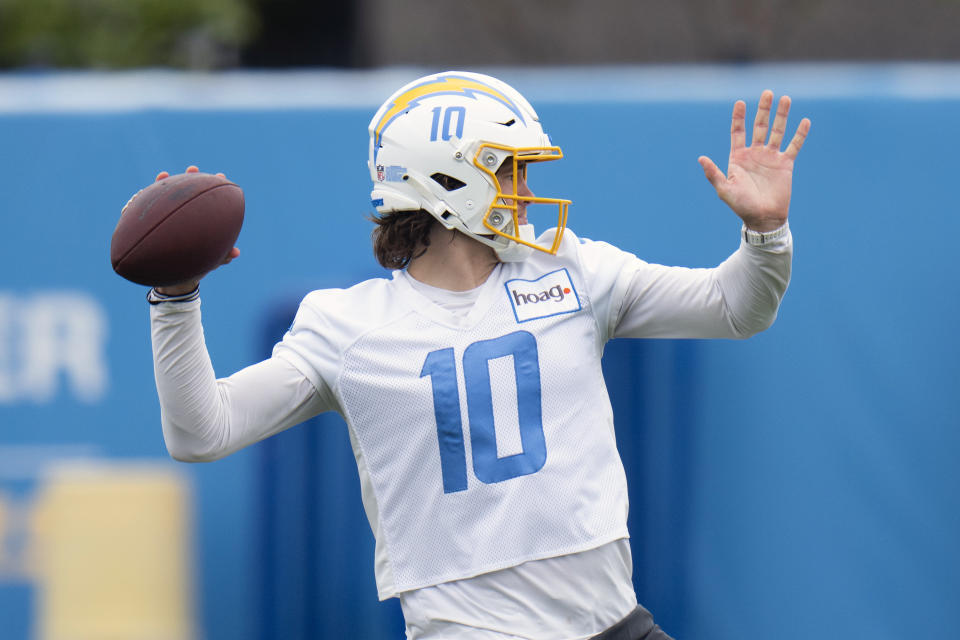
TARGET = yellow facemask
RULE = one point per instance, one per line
(506, 206)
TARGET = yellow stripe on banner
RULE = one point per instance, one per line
(112, 555)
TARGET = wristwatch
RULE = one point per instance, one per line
(761, 238)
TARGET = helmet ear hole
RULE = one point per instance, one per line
(448, 182)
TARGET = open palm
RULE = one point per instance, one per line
(758, 181)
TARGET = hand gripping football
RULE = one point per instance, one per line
(177, 229)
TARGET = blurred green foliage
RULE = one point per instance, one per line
(111, 34)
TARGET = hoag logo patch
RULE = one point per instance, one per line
(548, 295)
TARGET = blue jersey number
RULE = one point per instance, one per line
(441, 366)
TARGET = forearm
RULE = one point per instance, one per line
(204, 418)
(753, 281)
(192, 411)
(737, 299)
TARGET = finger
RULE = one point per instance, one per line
(779, 123)
(712, 172)
(235, 252)
(762, 120)
(798, 139)
(193, 169)
(161, 176)
(738, 135)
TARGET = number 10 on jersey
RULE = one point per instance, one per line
(441, 367)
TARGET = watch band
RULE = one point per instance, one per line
(761, 238)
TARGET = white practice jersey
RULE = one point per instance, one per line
(486, 440)
(480, 421)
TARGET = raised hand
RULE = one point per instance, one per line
(759, 178)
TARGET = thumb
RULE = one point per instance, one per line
(712, 172)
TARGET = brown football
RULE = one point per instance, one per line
(177, 229)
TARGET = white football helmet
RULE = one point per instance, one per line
(437, 144)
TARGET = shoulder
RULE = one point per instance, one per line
(599, 268)
(361, 306)
(576, 250)
(362, 293)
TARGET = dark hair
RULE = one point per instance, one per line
(401, 236)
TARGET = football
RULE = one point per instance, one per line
(177, 229)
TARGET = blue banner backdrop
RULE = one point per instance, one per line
(800, 483)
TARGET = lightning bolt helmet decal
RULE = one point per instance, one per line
(447, 84)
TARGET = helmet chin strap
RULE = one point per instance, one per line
(428, 200)
(514, 251)
(510, 252)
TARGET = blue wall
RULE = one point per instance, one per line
(810, 471)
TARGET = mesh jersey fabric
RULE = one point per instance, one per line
(425, 391)
(371, 345)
